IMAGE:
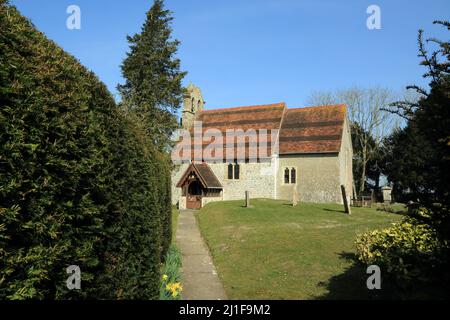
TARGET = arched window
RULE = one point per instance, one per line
(230, 171)
(236, 171)
(293, 176)
(192, 105)
(286, 176)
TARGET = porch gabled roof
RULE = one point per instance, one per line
(204, 174)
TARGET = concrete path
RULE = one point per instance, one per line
(199, 276)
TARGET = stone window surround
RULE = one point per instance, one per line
(233, 171)
(290, 168)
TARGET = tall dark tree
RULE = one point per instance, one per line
(429, 119)
(406, 164)
(415, 253)
(430, 115)
(152, 88)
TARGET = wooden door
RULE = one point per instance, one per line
(194, 196)
(193, 202)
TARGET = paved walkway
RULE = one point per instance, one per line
(199, 276)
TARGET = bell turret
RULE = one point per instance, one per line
(193, 103)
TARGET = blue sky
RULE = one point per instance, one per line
(244, 52)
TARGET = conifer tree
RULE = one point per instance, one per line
(152, 88)
(429, 118)
(431, 113)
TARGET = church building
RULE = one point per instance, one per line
(307, 151)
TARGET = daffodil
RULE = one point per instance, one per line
(176, 286)
(165, 277)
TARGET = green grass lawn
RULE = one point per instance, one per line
(276, 251)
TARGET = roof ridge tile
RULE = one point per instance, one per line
(272, 105)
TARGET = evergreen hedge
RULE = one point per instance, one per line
(80, 184)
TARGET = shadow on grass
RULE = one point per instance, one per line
(288, 204)
(333, 210)
(351, 285)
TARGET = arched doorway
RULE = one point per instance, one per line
(195, 189)
(194, 195)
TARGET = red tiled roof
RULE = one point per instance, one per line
(301, 130)
(257, 117)
(252, 117)
(312, 129)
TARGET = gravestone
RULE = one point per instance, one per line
(386, 191)
(247, 199)
(344, 198)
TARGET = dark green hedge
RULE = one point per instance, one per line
(166, 203)
(79, 182)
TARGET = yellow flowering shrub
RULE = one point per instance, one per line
(408, 250)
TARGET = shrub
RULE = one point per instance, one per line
(79, 181)
(409, 251)
(166, 207)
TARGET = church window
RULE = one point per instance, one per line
(234, 171)
(286, 176)
(293, 176)
(230, 171)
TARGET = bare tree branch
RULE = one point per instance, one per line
(366, 108)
